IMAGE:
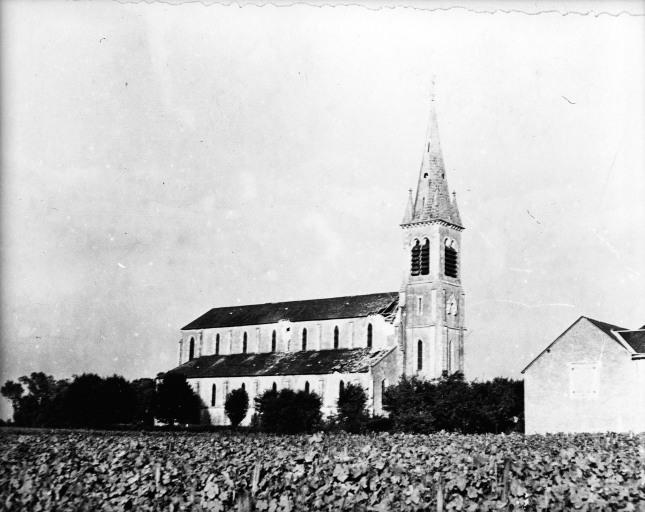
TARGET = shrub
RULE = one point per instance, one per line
(452, 404)
(176, 402)
(236, 406)
(287, 411)
(352, 412)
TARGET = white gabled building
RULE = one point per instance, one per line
(590, 379)
(322, 344)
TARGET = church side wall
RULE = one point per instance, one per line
(384, 373)
(327, 386)
(352, 333)
(586, 382)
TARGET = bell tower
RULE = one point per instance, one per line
(432, 326)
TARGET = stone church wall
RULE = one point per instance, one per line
(352, 333)
(326, 386)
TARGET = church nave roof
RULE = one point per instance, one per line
(306, 362)
(353, 306)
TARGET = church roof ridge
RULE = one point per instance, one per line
(328, 308)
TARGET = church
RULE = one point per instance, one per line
(320, 345)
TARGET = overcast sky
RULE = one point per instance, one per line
(162, 160)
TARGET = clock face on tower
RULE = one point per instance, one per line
(451, 306)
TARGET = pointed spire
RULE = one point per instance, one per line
(432, 199)
(408, 209)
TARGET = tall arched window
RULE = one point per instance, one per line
(304, 339)
(191, 349)
(383, 386)
(425, 258)
(341, 388)
(307, 387)
(274, 387)
(217, 344)
(213, 395)
(420, 355)
(244, 343)
(273, 341)
(450, 258)
(243, 386)
(369, 335)
(415, 264)
(336, 335)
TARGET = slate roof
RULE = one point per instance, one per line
(635, 339)
(298, 311)
(308, 362)
(605, 327)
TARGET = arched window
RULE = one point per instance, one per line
(244, 343)
(336, 337)
(274, 387)
(191, 349)
(243, 386)
(420, 355)
(304, 339)
(415, 265)
(213, 395)
(383, 386)
(273, 341)
(341, 388)
(307, 387)
(450, 259)
(369, 335)
(425, 258)
(217, 344)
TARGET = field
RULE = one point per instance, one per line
(63, 470)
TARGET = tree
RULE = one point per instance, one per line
(35, 399)
(236, 406)
(352, 411)
(175, 401)
(84, 403)
(288, 412)
(144, 393)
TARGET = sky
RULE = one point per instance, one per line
(159, 160)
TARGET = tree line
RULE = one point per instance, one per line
(412, 405)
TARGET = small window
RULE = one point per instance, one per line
(450, 259)
(336, 336)
(415, 264)
(244, 344)
(383, 386)
(369, 335)
(307, 387)
(341, 388)
(274, 387)
(243, 386)
(191, 349)
(217, 344)
(304, 339)
(419, 305)
(420, 355)
(213, 395)
(273, 341)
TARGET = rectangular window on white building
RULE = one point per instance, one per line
(583, 380)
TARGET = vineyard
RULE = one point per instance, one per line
(66, 470)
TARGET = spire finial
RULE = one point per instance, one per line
(432, 87)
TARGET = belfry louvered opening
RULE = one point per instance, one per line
(415, 268)
(425, 258)
(450, 261)
(420, 258)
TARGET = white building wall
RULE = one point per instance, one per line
(609, 398)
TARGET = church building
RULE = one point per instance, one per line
(321, 345)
